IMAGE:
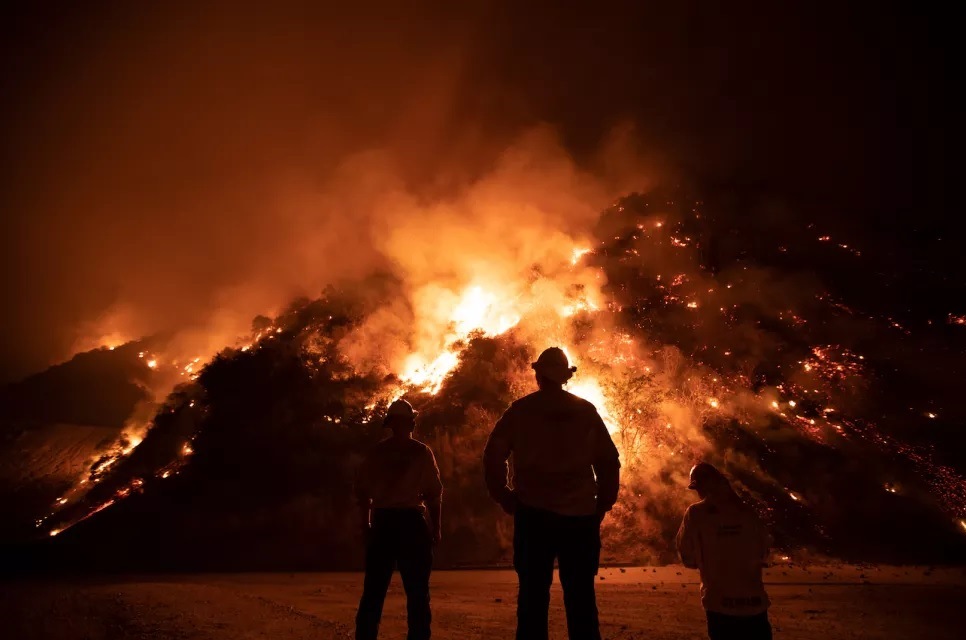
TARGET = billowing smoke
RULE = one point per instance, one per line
(172, 168)
(380, 195)
(184, 171)
(683, 361)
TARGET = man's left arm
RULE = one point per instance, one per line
(495, 469)
(433, 494)
(607, 467)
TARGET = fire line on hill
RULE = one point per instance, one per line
(688, 351)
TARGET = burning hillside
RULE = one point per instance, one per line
(693, 342)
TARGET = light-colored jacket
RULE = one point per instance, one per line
(727, 542)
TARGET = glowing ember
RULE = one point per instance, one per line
(429, 376)
(190, 367)
(152, 364)
(133, 441)
(54, 532)
(578, 254)
(713, 402)
(580, 305)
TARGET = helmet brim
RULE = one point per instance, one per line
(557, 374)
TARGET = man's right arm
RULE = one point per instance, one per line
(495, 456)
(687, 548)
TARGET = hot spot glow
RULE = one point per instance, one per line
(481, 310)
(476, 310)
(488, 306)
(589, 389)
(578, 253)
(428, 376)
(579, 305)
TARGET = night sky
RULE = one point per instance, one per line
(143, 149)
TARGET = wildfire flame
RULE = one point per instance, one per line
(649, 397)
(476, 310)
(484, 311)
(588, 388)
(578, 253)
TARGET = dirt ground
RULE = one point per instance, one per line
(828, 603)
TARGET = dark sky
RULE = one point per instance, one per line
(142, 147)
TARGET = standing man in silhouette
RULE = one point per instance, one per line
(725, 540)
(565, 479)
(400, 497)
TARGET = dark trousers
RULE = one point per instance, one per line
(538, 538)
(399, 538)
(724, 627)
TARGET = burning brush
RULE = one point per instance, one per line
(686, 353)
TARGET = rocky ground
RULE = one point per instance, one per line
(636, 603)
